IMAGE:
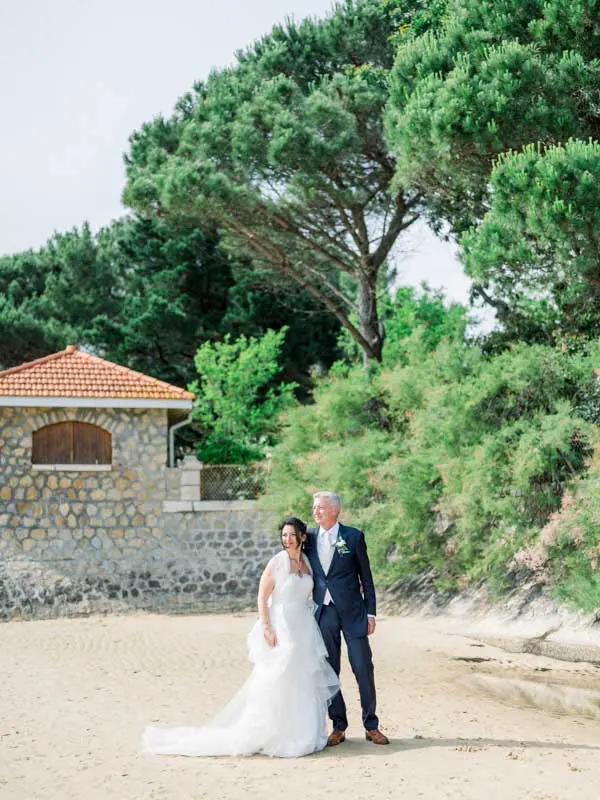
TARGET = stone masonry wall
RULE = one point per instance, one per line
(77, 542)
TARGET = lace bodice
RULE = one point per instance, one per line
(289, 587)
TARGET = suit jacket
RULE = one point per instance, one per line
(349, 570)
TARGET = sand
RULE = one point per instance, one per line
(466, 720)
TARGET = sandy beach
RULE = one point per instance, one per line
(466, 720)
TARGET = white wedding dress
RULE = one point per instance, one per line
(281, 709)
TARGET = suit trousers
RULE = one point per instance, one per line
(361, 661)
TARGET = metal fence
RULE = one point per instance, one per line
(232, 481)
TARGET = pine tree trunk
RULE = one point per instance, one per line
(368, 321)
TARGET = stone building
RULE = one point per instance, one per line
(94, 516)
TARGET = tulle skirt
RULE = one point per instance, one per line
(280, 710)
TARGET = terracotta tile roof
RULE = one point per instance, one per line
(71, 373)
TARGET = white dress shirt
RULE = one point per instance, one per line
(326, 540)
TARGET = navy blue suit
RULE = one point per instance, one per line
(349, 572)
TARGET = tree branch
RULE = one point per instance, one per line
(285, 224)
(389, 237)
(312, 227)
(502, 308)
(361, 227)
(280, 261)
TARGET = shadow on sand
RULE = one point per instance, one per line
(356, 746)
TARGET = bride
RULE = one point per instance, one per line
(281, 709)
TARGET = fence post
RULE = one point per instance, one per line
(189, 484)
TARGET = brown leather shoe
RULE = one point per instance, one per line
(336, 737)
(376, 736)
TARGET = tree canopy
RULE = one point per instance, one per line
(538, 246)
(146, 293)
(285, 152)
(490, 78)
(496, 91)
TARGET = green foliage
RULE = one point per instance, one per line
(339, 441)
(49, 295)
(450, 459)
(144, 293)
(409, 310)
(257, 303)
(489, 78)
(541, 235)
(491, 116)
(173, 285)
(570, 545)
(285, 152)
(237, 407)
(25, 337)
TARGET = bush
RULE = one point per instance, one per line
(237, 405)
(451, 460)
(407, 311)
(571, 549)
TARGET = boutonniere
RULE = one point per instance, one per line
(341, 546)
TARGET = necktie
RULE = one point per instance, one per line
(326, 542)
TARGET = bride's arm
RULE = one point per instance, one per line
(265, 590)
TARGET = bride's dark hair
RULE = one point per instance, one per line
(298, 526)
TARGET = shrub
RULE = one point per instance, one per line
(237, 405)
(452, 461)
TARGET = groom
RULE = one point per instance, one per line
(345, 598)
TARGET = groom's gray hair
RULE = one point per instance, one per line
(333, 498)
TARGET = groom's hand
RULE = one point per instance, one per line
(370, 625)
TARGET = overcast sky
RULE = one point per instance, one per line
(78, 76)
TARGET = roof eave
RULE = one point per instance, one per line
(92, 402)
